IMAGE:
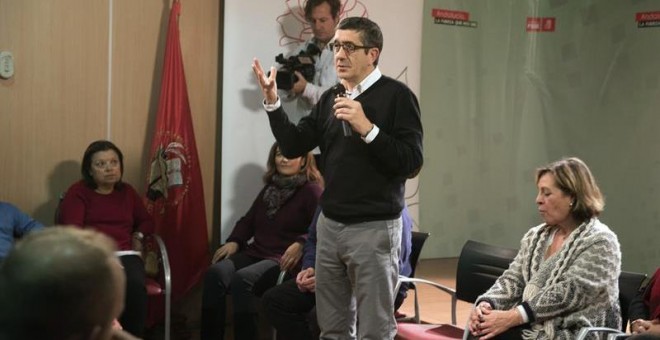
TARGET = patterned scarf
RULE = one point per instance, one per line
(280, 190)
(652, 296)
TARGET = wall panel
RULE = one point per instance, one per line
(57, 102)
(506, 100)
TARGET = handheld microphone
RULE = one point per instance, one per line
(340, 91)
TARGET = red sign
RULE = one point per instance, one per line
(538, 24)
(548, 24)
(648, 19)
(448, 14)
(647, 16)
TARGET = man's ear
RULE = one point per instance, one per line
(373, 54)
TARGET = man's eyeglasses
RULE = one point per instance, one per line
(349, 47)
(106, 164)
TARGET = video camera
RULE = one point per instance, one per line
(303, 63)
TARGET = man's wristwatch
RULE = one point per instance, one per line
(138, 235)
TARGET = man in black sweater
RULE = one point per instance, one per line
(365, 169)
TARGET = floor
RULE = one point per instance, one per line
(435, 305)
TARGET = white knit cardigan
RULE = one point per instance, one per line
(574, 288)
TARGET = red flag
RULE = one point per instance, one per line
(175, 195)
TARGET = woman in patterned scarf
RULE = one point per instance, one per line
(276, 225)
(565, 275)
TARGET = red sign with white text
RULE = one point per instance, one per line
(452, 18)
(648, 19)
(452, 15)
(647, 16)
(538, 24)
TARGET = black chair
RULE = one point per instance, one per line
(479, 265)
(629, 285)
(418, 239)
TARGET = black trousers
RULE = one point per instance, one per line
(288, 310)
(134, 316)
(236, 276)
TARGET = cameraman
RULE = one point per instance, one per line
(322, 16)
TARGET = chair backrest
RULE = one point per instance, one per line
(479, 265)
(629, 285)
(56, 214)
(418, 239)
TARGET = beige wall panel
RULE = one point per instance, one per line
(199, 43)
(55, 103)
(138, 42)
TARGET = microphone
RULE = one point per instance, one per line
(340, 91)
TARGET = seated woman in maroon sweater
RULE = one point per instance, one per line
(101, 201)
(277, 225)
(645, 310)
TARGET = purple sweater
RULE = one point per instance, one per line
(273, 237)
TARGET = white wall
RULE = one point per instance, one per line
(252, 29)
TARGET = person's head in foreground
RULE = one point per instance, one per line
(61, 283)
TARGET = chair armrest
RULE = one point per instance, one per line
(414, 280)
(167, 273)
(280, 278)
(441, 287)
(586, 330)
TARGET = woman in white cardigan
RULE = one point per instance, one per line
(565, 275)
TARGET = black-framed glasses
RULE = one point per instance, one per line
(349, 47)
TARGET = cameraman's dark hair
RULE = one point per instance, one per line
(335, 6)
(369, 31)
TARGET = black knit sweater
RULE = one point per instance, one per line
(363, 182)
